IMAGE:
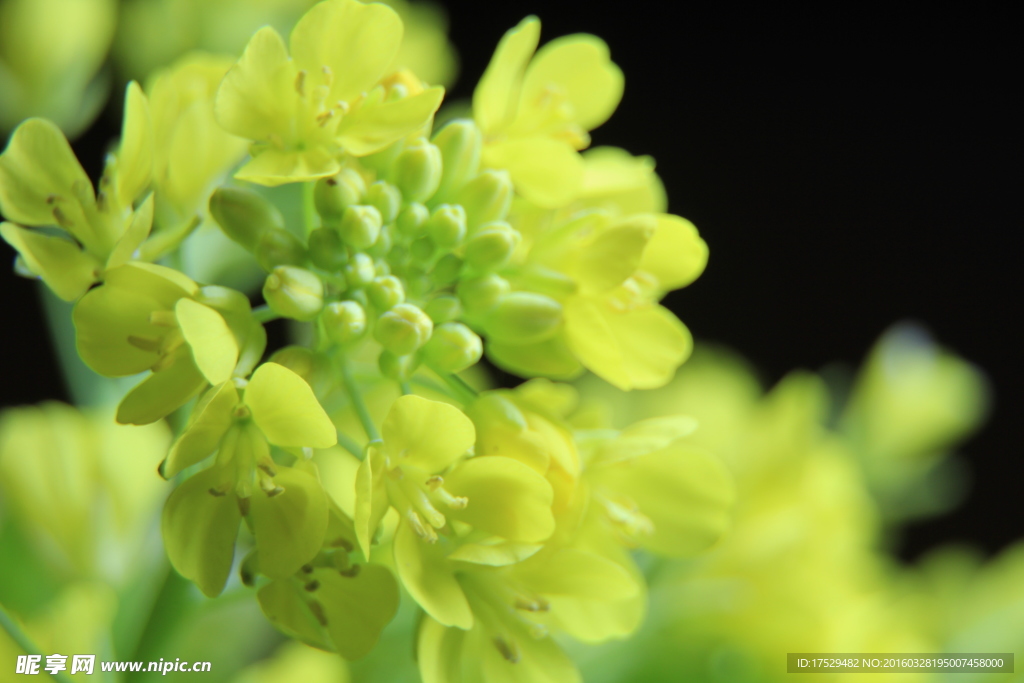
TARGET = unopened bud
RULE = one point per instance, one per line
(307, 364)
(447, 270)
(486, 198)
(360, 226)
(453, 347)
(326, 250)
(403, 329)
(360, 271)
(386, 198)
(417, 172)
(385, 292)
(344, 321)
(447, 226)
(294, 293)
(244, 215)
(398, 368)
(460, 143)
(279, 247)
(335, 194)
(443, 309)
(491, 246)
(412, 218)
(523, 318)
(480, 294)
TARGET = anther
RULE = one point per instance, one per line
(434, 483)
(300, 83)
(312, 586)
(422, 530)
(318, 611)
(351, 572)
(144, 343)
(539, 605)
(243, 506)
(508, 650)
(216, 493)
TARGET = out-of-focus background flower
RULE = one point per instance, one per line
(848, 171)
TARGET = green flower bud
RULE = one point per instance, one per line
(279, 247)
(523, 318)
(417, 171)
(403, 329)
(294, 292)
(453, 347)
(447, 270)
(344, 321)
(360, 271)
(422, 250)
(333, 195)
(486, 198)
(244, 215)
(386, 198)
(398, 368)
(383, 244)
(326, 250)
(443, 309)
(412, 218)
(460, 143)
(360, 226)
(386, 292)
(491, 246)
(447, 226)
(480, 294)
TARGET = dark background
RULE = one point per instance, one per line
(848, 169)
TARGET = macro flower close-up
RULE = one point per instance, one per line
(428, 341)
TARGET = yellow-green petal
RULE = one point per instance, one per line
(138, 230)
(506, 498)
(199, 531)
(273, 166)
(633, 349)
(429, 578)
(61, 264)
(549, 358)
(289, 526)
(135, 155)
(209, 422)
(581, 68)
(356, 41)
(546, 171)
(494, 552)
(163, 392)
(426, 434)
(615, 180)
(284, 408)
(497, 95)
(357, 607)
(675, 255)
(372, 128)
(286, 607)
(614, 254)
(371, 498)
(257, 97)
(214, 348)
(577, 573)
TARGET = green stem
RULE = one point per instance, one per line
(350, 445)
(264, 314)
(22, 640)
(357, 400)
(459, 385)
(404, 386)
(309, 206)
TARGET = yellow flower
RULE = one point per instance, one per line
(535, 110)
(329, 98)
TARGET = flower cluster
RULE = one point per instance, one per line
(418, 251)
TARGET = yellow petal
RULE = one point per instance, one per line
(286, 411)
(633, 349)
(357, 607)
(496, 97)
(213, 346)
(580, 67)
(356, 42)
(548, 358)
(372, 128)
(616, 180)
(494, 552)
(546, 171)
(439, 653)
(273, 167)
(429, 578)
(210, 420)
(199, 531)
(163, 392)
(257, 97)
(62, 265)
(371, 498)
(137, 232)
(286, 606)
(38, 164)
(426, 434)
(135, 155)
(506, 498)
(289, 526)
(577, 573)
(675, 255)
(614, 254)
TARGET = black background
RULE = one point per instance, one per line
(848, 168)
